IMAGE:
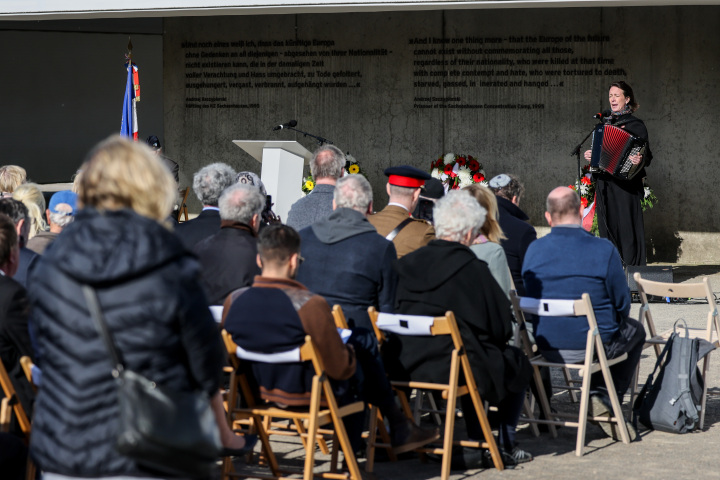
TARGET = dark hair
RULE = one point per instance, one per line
(513, 189)
(628, 92)
(8, 238)
(277, 243)
(16, 211)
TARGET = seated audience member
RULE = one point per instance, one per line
(395, 221)
(208, 183)
(31, 196)
(146, 284)
(446, 275)
(326, 167)
(267, 217)
(60, 213)
(277, 312)
(487, 244)
(552, 270)
(229, 258)
(11, 177)
(18, 213)
(14, 334)
(514, 224)
(345, 260)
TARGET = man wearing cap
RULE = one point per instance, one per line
(154, 143)
(514, 223)
(60, 213)
(395, 222)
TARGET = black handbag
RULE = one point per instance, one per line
(161, 429)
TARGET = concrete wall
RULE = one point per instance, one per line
(357, 80)
(62, 90)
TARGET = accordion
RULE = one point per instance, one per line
(611, 148)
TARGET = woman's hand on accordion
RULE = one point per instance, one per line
(588, 155)
(635, 159)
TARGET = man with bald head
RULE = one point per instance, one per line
(565, 264)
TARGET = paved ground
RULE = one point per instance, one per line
(654, 455)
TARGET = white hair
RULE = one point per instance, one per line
(353, 191)
(210, 181)
(240, 202)
(456, 214)
(61, 219)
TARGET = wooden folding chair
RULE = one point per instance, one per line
(323, 410)
(451, 391)
(9, 405)
(27, 365)
(593, 348)
(183, 210)
(711, 332)
(341, 322)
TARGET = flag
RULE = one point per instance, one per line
(589, 215)
(129, 125)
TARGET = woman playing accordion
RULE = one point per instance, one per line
(618, 207)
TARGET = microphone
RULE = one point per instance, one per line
(289, 124)
(603, 114)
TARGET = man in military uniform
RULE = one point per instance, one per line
(395, 222)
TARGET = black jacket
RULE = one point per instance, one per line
(228, 260)
(199, 228)
(152, 302)
(520, 234)
(448, 276)
(14, 337)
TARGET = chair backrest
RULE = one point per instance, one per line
(415, 325)
(559, 308)
(11, 395)
(678, 290)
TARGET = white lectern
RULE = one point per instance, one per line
(282, 170)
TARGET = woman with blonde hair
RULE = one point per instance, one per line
(147, 287)
(11, 176)
(31, 196)
(487, 244)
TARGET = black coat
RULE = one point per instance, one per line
(154, 307)
(199, 228)
(448, 276)
(619, 207)
(14, 337)
(520, 234)
(228, 261)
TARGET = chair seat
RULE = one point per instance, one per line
(324, 415)
(540, 361)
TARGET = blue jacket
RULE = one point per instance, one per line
(565, 264)
(350, 264)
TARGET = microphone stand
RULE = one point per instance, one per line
(321, 141)
(576, 152)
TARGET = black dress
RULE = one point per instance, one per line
(619, 209)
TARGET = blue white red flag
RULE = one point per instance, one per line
(129, 125)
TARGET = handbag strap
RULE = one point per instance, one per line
(96, 313)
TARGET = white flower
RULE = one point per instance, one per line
(484, 182)
(465, 182)
(648, 192)
(449, 158)
(583, 189)
(464, 174)
(436, 173)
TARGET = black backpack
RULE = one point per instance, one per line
(671, 402)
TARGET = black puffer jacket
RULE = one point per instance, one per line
(148, 288)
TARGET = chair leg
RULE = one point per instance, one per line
(703, 402)
(448, 437)
(582, 417)
(30, 469)
(312, 430)
(370, 452)
(531, 416)
(570, 382)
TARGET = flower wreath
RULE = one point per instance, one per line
(457, 171)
